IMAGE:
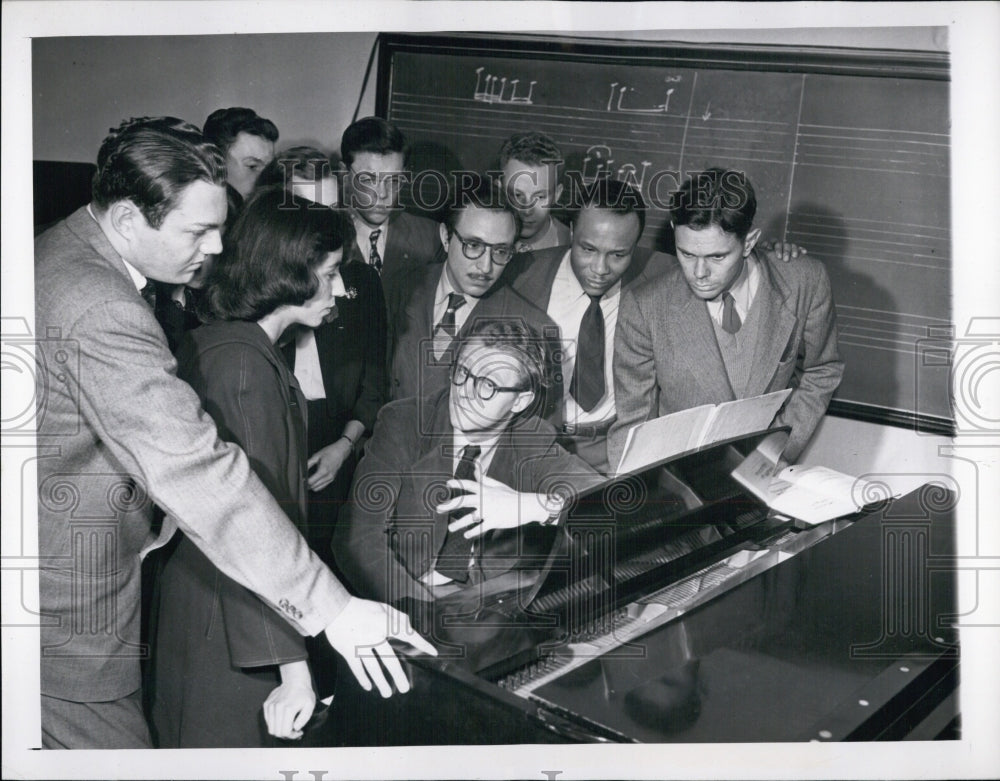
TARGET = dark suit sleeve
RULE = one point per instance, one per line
(375, 377)
(241, 391)
(818, 368)
(154, 426)
(558, 472)
(362, 542)
(635, 375)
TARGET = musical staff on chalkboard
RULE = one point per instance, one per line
(873, 241)
(883, 329)
(853, 167)
(873, 149)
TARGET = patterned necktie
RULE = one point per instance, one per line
(587, 386)
(444, 331)
(373, 257)
(453, 560)
(731, 322)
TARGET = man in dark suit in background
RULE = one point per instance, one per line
(373, 157)
(726, 322)
(247, 140)
(117, 428)
(430, 307)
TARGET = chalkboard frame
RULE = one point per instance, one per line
(888, 63)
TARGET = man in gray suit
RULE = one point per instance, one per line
(726, 322)
(117, 430)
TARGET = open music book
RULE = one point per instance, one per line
(679, 432)
(812, 494)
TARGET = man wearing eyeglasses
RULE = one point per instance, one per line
(459, 489)
(430, 306)
(373, 154)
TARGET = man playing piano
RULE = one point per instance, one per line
(458, 490)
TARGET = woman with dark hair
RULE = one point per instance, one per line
(341, 365)
(220, 653)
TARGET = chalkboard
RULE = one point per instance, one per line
(848, 151)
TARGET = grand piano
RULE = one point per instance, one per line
(676, 607)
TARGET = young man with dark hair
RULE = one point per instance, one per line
(117, 430)
(373, 160)
(430, 307)
(247, 140)
(726, 322)
(531, 165)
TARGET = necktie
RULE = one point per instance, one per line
(453, 560)
(731, 322)
(373, 257)
(587, 386)
(148, 293)
(444, 331)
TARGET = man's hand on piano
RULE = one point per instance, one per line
(361, 633)
(494, 506)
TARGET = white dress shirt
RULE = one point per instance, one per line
(567, 305)
(444, 289)
(307, 369)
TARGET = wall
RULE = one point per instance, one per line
(308, 83)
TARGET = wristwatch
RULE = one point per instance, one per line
(554, 504)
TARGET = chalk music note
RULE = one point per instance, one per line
(490, 89)
(622, 90)
(599, 156)
(627, 173)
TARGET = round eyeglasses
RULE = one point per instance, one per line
(484, 387)
(473, 249)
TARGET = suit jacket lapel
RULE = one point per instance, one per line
(775, 328)
(397, 238)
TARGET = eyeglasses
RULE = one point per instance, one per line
(473, 249)
(484, 387)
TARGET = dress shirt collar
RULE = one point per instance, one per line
(137, 277)
(445, 288)
(569, 286)
(742, 291)
(488, 449)
(364, 232)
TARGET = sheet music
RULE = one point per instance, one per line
(679, 432)
(663, 437)
(743, 416)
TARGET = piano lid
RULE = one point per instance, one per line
(626, 538)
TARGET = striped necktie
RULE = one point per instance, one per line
(373, 256)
